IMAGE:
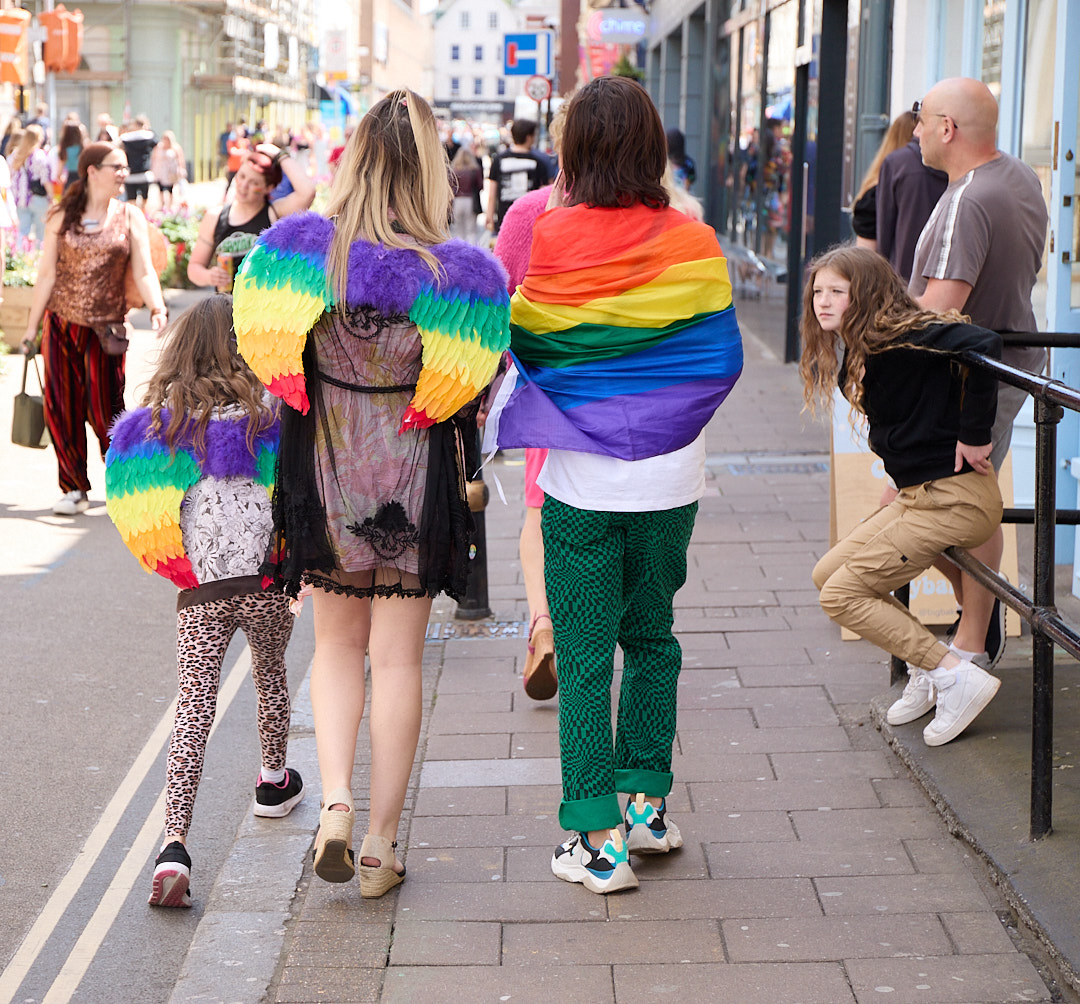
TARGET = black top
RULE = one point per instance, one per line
(516, 172)
(864, 214)
(138, 145)
(907, 192)
(920, 400)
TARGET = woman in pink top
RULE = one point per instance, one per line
(512, 248)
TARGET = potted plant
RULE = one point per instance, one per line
(20, 274)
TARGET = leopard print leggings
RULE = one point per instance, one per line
(203, 633)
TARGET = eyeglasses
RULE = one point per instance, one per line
(115, 167)
(917, 110)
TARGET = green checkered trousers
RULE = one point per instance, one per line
(611, 579)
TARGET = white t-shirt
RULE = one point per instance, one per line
(604, 484)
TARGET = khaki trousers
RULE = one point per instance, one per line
(892, 547)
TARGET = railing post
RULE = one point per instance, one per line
(1047, 416)
(474, 604)
(897, 666)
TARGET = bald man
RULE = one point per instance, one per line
(980, 252)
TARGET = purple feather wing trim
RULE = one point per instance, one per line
(390, 279)
(303, 233)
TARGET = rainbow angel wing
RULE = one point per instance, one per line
(464, 330)
(279, 294)
(144, 486)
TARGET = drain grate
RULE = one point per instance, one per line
(445, 630)
(814, 467)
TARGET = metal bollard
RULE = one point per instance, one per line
(474, 605)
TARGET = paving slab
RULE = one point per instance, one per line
(646, 941)
(407, 985)
(812, 939)
(445, 943)
(965, 979)
(818, 983)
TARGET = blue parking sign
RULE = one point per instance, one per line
(527, 54)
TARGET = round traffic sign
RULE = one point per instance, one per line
(538, 88)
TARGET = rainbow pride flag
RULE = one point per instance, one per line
(623, 335)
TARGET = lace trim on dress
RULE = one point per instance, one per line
(384, 590)
(389, 531)
(367, 323)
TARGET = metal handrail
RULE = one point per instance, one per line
(1051, 397)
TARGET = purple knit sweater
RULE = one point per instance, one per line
(514, 243)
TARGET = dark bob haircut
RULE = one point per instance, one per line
(614, 151)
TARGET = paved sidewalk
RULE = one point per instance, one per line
(814, 869)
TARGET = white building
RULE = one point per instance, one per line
(468, 70)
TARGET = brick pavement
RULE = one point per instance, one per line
(814, 868)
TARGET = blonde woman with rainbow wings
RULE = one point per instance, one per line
(376, 330)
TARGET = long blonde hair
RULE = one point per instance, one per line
(29, 141)
(880, 311)
(199, 370)
(899, 134)
(393, 185)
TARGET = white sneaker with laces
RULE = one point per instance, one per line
(917, 699)
(71, 504)
(962, 692)
(601, 870)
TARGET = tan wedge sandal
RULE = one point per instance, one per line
(334, 860)
(374, 882)
(541, 678)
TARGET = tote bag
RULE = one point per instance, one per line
(28, 421)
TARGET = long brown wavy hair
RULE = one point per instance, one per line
(614, 150)
(72, 203)
(880, 311)
(199, 370)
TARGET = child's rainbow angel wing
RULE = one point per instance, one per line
(144, 486)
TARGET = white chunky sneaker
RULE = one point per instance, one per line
(602, 870)
(649, 830)
(917, 699)
(962, 692)
(71, 504)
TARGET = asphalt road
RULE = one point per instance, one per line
(87, 680)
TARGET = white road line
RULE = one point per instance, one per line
(94, 933)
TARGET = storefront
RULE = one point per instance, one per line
(762, 91)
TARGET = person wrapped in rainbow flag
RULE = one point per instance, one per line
(624, 343)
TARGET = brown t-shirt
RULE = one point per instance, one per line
(989, 230)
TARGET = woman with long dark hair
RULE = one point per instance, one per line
(90, 236)
(68, 151)
(376, 330)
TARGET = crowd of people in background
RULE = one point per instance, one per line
(43, 162)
